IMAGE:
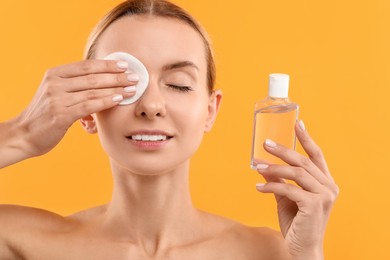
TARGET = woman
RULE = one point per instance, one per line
(151, 215)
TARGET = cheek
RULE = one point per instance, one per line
(103, 120)
(109, 125)
(190, 115)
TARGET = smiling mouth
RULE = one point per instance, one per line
(149, 138)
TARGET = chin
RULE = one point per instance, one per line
(152, 168)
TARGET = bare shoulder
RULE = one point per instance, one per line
(251, 242)
(20, 217)
(19, 224)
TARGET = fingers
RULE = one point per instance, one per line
(91, 74)
(297, 174)
(304, 208)
(308, 172)
(288, 190)
(92, 94)
(323, 198)
(98, 81)
(87, 67)
(93, 106)
(84, 86)
(295, 159)
(311, 148)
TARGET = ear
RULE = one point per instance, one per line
(89, 124)
(213, 108)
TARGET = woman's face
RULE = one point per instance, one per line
(176, 108)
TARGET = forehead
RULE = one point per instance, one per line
(156, 41)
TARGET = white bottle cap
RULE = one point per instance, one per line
(278, 85)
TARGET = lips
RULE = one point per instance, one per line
(149, 136)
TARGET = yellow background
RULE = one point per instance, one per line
(337, 54)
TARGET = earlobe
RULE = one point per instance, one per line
(89, 124)
(214, 105)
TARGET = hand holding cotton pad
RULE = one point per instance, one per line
(136, 67)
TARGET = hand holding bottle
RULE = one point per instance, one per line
(66, 94)
(303, 209)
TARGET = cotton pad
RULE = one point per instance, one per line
(135, 67)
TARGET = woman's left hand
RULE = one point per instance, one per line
(303, 209)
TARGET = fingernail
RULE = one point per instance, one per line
(132, 77)
(261, 166)
(259, 185)
(122, 64)
(129, 89)
(301, 125)
(270, 143)
(117, 98)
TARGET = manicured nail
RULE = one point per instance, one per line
(129, 89)
(117, 98)
(122, 64)
(259, 185)
(261, 166)
(301, 125)
(132, 77)
(270, 143)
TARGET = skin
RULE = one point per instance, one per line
(151, 215)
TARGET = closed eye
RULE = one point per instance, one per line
(180, 88)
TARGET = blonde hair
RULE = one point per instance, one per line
(160, 8)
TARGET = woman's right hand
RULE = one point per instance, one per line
(66, 94)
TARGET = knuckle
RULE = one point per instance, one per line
(86, 107)
(91, 94)
(49, 90)
(52, 83)
(119, 78)
(299, 173)
(49, 73)
(49, 76)
(329, 197)
(93, 106)
(317, 152)
(92, 80)
(336, 191)
(49, 93)
(86, 66)
(50, 86)
(103, 104)
(109, 65)
(290, 188)
(305, 162)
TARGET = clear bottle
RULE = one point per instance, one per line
(274, 119)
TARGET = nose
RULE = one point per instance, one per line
(152, 103)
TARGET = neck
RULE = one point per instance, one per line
(153, 210)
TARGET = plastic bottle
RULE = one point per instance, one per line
(274, 119)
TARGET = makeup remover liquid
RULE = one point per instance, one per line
(274, 119)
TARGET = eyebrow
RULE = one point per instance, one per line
(180, 64)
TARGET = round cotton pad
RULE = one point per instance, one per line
(136, 67)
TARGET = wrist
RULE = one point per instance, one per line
(13, 147)
(314, 254)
